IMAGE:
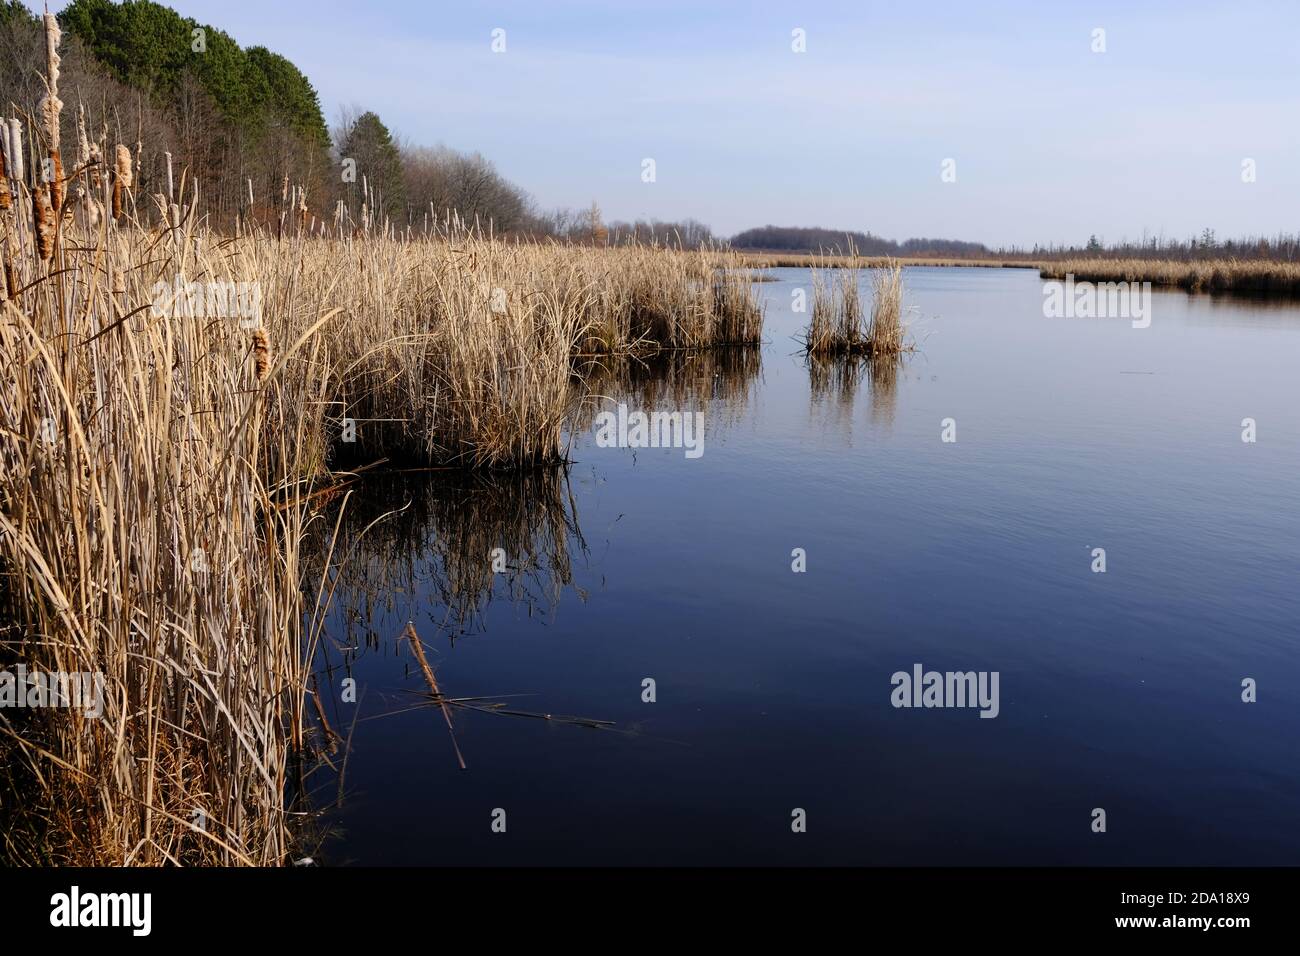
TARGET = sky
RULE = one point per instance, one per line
(1050, 140)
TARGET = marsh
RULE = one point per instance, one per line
(1119, 690)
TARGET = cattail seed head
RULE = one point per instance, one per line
(53, 35)
(4, 178)
(83, 141)
(16, 169)
(11, 266)
(122, 178)
(45, 224)
(124, 173)
(261, 353)
(51, 106)
(58, 188)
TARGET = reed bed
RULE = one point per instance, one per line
(820, 260)
(1248, 277)
(648, 298)
(839, 323)
(175, 401)
(147, 534)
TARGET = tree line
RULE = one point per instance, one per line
(242, 123)
(1282, 247)
(838, 242)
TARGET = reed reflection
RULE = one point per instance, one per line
(441, 546)
(720, 381)
(834, 382)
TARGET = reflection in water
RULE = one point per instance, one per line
(721, 381)
(417, 555)
(439, 546)
(450, 543)
(834, 383)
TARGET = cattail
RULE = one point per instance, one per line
(95, 157)
(16, 169)
(170, 194)
(261, 353)
(119, 282)
(45, 223)
(83, 141)
(58, 188)
(4, 180)
(50, 106)
(122, 178)
(11, 266)
(124, 173)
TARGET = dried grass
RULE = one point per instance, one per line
(1249, 277)
(839, 325)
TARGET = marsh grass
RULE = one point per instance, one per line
(840, 325)
(179, 434)
(161, 465)
(821, 260)
(1246, 277)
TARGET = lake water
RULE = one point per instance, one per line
(1119, 690)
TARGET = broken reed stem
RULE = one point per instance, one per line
(418, 649)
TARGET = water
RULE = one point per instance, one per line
(1119, 690)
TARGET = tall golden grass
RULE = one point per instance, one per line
(162, 459)
(840, 325)
(817, 260)
(1248, 277)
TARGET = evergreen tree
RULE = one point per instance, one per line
(367, 142)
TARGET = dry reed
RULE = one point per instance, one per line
(839, 325)
(1249, 277)
(160, 468)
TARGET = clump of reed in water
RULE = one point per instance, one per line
(840, 325)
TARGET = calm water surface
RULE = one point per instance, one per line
(1119, 690)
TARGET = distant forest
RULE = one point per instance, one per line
(1283, 247)
(242, 123)
(795, 239)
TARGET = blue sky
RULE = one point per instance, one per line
(1052, 141)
